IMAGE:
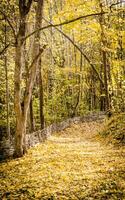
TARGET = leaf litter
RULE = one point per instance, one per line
(71, 164)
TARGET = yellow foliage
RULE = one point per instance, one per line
(70, 165)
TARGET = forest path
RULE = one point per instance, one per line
(72, 164)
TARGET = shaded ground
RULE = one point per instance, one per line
(71, 165)
(114, 130)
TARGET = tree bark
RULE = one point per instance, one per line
(31, 113)
(41, 100)
(7, 86)
(104, 60)
(22, 110)
(19, 110)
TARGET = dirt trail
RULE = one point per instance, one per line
(72, 164)
(102, 166)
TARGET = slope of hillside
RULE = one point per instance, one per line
(114, 130)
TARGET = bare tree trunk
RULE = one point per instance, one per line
(21, 112)
(32, 122)
(29, 54)
(41, 100)
(51, 69)
(7, 87)
(102, 91)
(104, 59)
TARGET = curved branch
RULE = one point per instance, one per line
(65, 22)
(114, 4)
(78, 48)
(4, 49)
(37, 56)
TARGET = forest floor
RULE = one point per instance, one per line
(73, 164)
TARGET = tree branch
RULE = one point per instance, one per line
(4, 49)
(78, 48)
(37, 56)
(31, 78)
(65, 22)
(114, 4)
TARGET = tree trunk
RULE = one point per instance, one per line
(7, 87)
(19, 111)
(41, 100)
(102, 92)
(31, 113)
(104, 59)
(22, 111)
(20, 149)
